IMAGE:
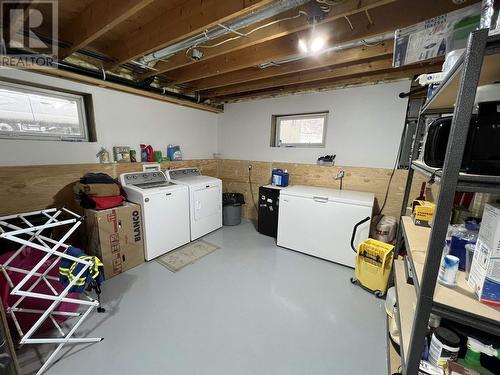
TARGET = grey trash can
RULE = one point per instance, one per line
(231, 208)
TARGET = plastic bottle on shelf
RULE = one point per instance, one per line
(445, 345)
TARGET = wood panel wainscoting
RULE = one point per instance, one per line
(29, 188)
(234, 174)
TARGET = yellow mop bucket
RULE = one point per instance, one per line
(373, 265)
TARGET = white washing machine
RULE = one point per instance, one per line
(165, 210)
(205, 199)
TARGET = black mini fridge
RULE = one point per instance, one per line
(268, 210)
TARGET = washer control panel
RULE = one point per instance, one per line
(178, 174)
(143, 178)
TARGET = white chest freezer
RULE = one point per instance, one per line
(320, 221)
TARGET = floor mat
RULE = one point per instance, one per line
(186, 255)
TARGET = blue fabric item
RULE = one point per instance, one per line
(457, 248)
(68, 270)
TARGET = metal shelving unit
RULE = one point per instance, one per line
(480, 64)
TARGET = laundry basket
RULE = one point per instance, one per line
(373, 265)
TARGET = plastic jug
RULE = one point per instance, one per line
(147, 153)
(280, 177)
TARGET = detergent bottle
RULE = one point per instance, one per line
(147, 153)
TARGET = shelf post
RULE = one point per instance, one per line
(469, 80)
(409, 180)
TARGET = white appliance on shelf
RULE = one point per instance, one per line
(165, 210)
(205, 199)
(320, 221)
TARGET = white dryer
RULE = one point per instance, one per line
(165, 210)
(205, 199)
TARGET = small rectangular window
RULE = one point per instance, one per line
(28, 112)
(301, 130)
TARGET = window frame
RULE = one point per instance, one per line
(83, 113)
(277, 128)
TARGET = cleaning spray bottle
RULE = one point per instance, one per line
(473, 355)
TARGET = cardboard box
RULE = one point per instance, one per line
(116, 237)
(436, 36)
(423, 213)
(455, 368)
(484, 277)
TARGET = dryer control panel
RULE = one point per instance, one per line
(178, 174)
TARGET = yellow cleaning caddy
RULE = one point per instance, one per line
(373, 265)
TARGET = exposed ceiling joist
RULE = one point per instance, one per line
(290, 24)
(408, 13)
(360, 79)
(252, 56)
(99, 17)
(383, 65)
(189, 18)
(129, 29)
(351, 55)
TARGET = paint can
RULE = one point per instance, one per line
(445, 345)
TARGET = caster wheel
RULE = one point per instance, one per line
(354, 281)
(379, 294)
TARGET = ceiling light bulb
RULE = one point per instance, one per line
(317, 44)
(303, 46)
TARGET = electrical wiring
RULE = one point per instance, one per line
(251, 190)
(349, 22)
(369, 17)
(390, 180)
(242, 35)
(367, 44)
(326, 5)
(387, 191)
(364, 42)
(230, 29)
(330, 2)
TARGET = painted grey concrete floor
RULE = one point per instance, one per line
(249, 308)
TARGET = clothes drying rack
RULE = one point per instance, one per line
(21, 229)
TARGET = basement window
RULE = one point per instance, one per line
(299, 130)
(29, 112)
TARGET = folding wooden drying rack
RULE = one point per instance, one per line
(55, 250)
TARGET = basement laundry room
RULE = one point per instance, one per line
(251, 187)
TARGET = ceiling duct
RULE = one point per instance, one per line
(220, 30)
(368, 42)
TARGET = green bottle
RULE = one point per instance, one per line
(472, 358)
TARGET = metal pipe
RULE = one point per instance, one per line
(122, 81)
(110, 77)
(247, 20)
(364, 42)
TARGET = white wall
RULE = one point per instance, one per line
(121, 119)
(364, 126)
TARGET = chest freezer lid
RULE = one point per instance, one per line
(333, 195)
(270, 186)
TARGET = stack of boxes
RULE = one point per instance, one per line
(116, 237)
